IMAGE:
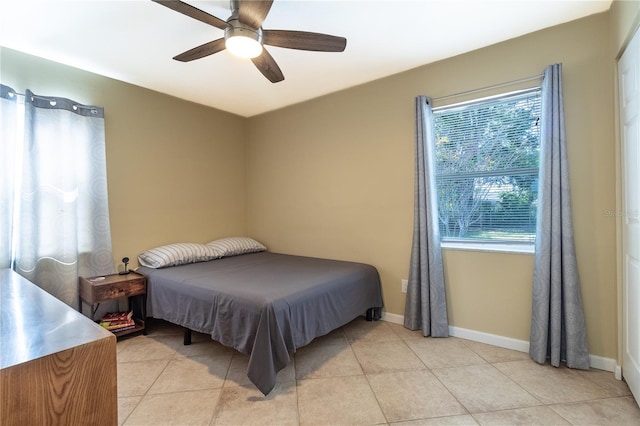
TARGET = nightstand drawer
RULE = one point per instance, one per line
(100, 289)
(116, 290)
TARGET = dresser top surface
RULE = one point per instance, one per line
(34, 323)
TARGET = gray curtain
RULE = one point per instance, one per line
(557, 325)
(63, 223)
(426, 307)
(8, 134)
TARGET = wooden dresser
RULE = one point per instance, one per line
(56, 365)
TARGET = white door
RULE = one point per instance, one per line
(629, 83)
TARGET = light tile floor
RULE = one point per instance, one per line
(365, 373)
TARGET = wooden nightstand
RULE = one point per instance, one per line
(94, 290)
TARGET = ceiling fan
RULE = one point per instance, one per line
(245, 37)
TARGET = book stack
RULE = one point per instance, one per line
(118, 321)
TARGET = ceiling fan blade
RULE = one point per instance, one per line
(252, 13)
(201, 51)
(193, 12)
(268, 67)
(303, 40)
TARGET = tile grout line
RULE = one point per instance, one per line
(150, 386)
(438, 379)
(366, 377)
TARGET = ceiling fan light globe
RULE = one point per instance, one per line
(244, 47)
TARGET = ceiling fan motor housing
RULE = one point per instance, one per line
(242, 40)
(238, 29)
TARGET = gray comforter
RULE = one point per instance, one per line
(265, 305)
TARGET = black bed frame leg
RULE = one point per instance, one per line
(187, 336)
(374, 314)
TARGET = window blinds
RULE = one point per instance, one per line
(487, 155)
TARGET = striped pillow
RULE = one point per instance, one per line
(177, 254)
(233, 246)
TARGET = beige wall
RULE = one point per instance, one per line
(176, 170)
(333, 177)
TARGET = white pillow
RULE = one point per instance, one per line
(177, 254)
(232, 246)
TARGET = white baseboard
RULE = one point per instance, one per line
(490, 339)
(394, 318)
(618, 372)
(598, 362)
(601, 363)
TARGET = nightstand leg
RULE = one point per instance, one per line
(93, 311)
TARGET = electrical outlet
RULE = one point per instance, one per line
(404, 285)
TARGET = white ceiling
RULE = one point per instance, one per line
(134, 41)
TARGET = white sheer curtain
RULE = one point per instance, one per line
(426, 306)
(558, 330)
(8, 134)
(62, 227)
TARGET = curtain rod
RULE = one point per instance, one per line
(52, 99)
(495, 86)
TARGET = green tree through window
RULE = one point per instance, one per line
(487, 155)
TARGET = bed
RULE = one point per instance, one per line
(264, 304)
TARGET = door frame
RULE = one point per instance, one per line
(620, 205)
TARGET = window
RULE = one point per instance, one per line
(487, 155)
